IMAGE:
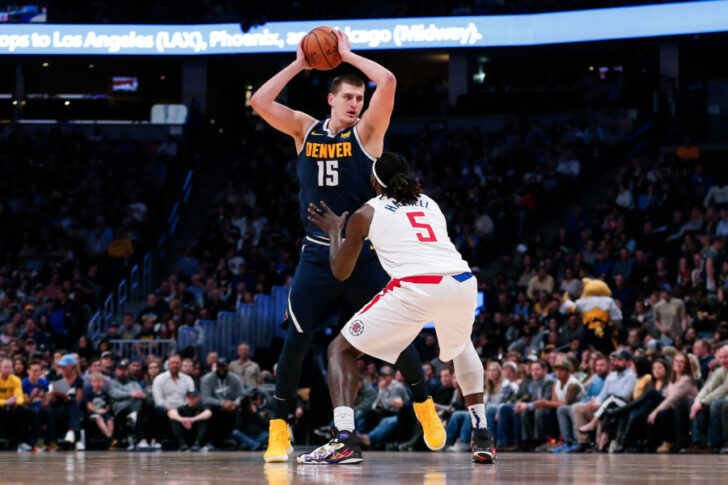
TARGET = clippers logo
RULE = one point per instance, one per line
(356, 328)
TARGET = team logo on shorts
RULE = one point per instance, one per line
(356, 328)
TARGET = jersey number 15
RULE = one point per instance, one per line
(328, 173)
(430, 237)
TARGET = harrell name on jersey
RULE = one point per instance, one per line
(412, 239)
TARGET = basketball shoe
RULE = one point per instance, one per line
(279, 442)
(342, 449)
(482, 446)
(435, 436)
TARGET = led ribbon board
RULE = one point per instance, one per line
(403, 33)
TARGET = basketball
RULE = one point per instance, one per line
(321, 48)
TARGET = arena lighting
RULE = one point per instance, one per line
(405, 33)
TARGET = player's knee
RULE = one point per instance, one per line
(338, 347)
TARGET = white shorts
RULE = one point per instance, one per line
(392, 320)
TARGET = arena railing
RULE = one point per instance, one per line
(140, 349)
(255, 323)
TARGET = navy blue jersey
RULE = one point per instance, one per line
(335, 169)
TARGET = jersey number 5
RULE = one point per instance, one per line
(328, 173)
(430, 237)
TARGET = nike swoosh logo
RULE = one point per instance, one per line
(317, 134)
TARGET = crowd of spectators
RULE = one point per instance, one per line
(64, 401)
(63, 239)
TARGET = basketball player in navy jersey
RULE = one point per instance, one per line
(334, 164)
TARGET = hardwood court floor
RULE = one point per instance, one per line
(113, 468)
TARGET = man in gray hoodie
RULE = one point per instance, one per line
(127, 404)
(221, 393)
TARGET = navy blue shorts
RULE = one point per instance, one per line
(318, 300)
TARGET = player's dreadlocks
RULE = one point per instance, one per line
(391, 171)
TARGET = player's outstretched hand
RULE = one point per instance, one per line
(343, 41)
(325, 218)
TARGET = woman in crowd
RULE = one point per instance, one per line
(153, 370)
(85, 348)
(625, 421)
(20, 368)
(668, 421)
(498, 390)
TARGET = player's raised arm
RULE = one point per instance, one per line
(343, 253)
(375, 120)
(282, 118)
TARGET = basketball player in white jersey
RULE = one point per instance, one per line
(430, 282)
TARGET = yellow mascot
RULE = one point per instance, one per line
(598, 312)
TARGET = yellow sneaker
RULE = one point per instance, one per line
(432, 426)
(279, 442)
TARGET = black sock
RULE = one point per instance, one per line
(281, 408)
(419, 391)
(410, 367)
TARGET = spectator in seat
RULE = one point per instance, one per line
(706, 410)
(35, 391)
(246, 369)
(221, 393)
(170, 390)
(703, 351)
(650, 389)
(189, 421)
(155, 307)
(573, 330)
(94, 366)
(251, 428)
(541, 281)
(98, 405)
(536, 419)
(664, 420)
(390, 399)
(508, 421)
(618, 388)
(565, 413)
(12, 413)
(433, 383)
(107, 363)
(128, 404)
(121, 247)
(670, 317)
(498, 390)
(565, 391)
(129, 328)
(211, 361)
(67, 392)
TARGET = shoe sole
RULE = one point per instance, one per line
(484, 456)
(278, 458)
(349, 461)
(435, 448)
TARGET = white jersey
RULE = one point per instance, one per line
(412, 240)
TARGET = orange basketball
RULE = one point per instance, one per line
(321, 48)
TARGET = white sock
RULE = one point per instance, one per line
(344, 418)
(477, 416)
